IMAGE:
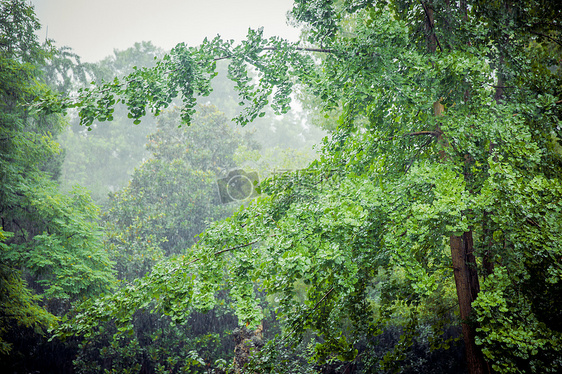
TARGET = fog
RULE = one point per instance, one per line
(94, 28)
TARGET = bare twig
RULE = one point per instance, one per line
(417, 154)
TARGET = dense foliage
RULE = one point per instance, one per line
(51, 246)
(173, 194)
(438, 191)
(447, 142)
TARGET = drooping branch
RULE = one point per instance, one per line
(185, 72)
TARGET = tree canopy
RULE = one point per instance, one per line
(51, 248)
(439, 188)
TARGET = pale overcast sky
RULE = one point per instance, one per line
(94, 28)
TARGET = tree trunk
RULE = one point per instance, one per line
(466, 281)
(464, 262)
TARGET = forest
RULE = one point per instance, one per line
(383, 196)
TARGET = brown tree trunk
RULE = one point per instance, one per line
(466, 276)
(466, 281)
(464, 262)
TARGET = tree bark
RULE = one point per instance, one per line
(466, 281)
(462, 248)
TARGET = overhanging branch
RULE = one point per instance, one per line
(231, 249)
(226, 250)
(418, 133)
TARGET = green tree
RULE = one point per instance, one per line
(445, 167)
(104, 160)
(173, 195)
(169, 201)
(51, 248)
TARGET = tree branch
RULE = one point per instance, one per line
(231, 249)
(418, 133)
(430, 23)
(74, 101)
(416, 155)
(306, 49)
(312, 310)
(546, 36)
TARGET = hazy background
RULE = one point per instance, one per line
(116, 35)
(94, 28)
